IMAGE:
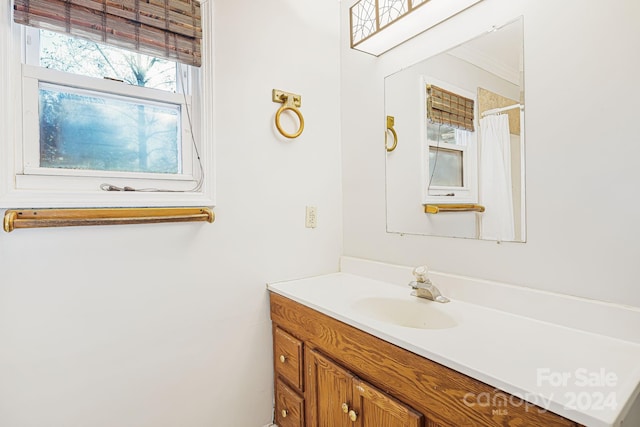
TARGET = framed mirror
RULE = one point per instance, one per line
(455, 141)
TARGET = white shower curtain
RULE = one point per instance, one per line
(496, 194)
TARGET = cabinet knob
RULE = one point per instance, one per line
(353, 415)
(284, 413)
(283, 358)
(345, 408)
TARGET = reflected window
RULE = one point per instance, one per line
(450, 161)
(445, 167)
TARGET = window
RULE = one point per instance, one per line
(450, 150)
(124, 119)
(95, 117)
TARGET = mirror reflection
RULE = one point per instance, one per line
(455, 160)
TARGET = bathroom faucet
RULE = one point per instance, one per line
(423, 286)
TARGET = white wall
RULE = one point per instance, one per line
(581, 92)
(168, 325)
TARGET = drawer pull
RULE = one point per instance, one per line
(284, 413)
(283, 358)
(353, 415)
(345, 408)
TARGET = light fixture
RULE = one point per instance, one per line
(379, 25)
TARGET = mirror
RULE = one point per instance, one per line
(455, 141)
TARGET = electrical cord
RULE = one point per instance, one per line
(435, 161)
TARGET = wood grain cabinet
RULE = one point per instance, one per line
(288, 358)
(337, 398)
(329, 374)
(289, 380)
(289, 406)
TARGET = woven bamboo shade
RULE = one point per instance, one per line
(449, 108)
(170, 29)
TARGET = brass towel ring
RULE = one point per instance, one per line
(290, 102)
(300, 118)
(390, 122)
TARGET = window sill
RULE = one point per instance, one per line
(102, 199)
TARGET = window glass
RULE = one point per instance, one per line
(445, 167)
(437, 133)
(74, 55)
(77, 131)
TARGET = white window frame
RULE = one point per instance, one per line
(468, 193)
(24, 185)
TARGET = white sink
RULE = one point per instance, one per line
(416, 313)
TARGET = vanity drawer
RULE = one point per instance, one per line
(289, 406)
(287, 352)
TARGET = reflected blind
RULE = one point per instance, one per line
(170, 29)
(449, 109)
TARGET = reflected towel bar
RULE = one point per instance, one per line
(40, 218)
(434, 209)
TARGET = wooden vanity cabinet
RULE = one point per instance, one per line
(337, 398)
(384, 385)
(289, 379)
(288, 358)
(328, 396)
(289, 406)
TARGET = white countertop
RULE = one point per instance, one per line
(589, 378)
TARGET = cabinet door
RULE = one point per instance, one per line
(336, 398)
(373, 408)
(329, 389)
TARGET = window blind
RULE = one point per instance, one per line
(449, 108)
(170, 29)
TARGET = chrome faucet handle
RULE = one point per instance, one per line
(423, 286)
(420, 273)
